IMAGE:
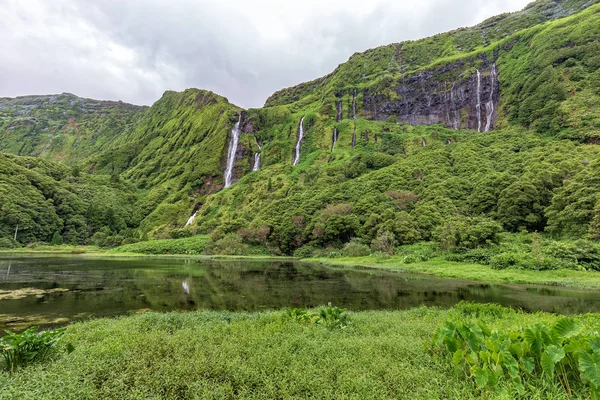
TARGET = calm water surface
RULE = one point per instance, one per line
(53, 290)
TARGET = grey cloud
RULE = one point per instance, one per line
(137, 49)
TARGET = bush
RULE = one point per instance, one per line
(8, 243)
(503, 260)
(231, 245)
(580, 252)
(384, 242)
(355, 248)
(57, 239)
(305, 251)
(418, 252)
(192, 245)
(467, 233)
(98, 239)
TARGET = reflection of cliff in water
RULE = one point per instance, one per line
(106, 287)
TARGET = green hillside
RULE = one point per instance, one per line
(492, 127)
(63, 127)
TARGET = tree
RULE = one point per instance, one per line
(57, 239)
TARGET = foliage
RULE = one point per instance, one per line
(355, 248)
(191, 245)
(331, 317)
(513, 362)
(198, 354)
(230, 244)
(467, 233)
(30, 346)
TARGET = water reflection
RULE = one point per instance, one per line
(66, 288)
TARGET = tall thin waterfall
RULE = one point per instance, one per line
(299, 142)
(191, 219)
(256, 166)
(233, 145)
(489, 106)
(354, 104)
(257, 163)
(478, 107)
(334, 139)
(338, 111)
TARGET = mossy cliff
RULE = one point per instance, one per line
(395, 140)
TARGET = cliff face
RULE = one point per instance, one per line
(442, 95)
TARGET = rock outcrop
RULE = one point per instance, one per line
(440, 95)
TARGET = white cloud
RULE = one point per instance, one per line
(134, 50)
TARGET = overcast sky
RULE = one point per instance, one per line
(134, 50)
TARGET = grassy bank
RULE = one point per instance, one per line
(380, 354)
(476, 272)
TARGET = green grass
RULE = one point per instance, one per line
(382, 354)
(475, 272)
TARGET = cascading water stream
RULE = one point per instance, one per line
(354, 104)
(334, 139)
(338, 109)
(299, 142)
(478, 107)
(257, 163)
(233, 145)
(489, 106)
(191, 219)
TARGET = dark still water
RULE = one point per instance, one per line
(56, 289)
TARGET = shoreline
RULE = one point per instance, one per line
(438, 267)
(588, 280)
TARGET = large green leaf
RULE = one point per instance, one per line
(481, 376)
(566, 328)
(555, 353)
(528, 364)
(547, 365)
(589, 367)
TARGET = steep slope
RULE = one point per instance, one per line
(176, 155)
(63, 127)
(39, 199)
(321, 155)
(542, 77)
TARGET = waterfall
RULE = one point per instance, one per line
(334, 139)
(256, 166)
(233, 144)
(423, 143)
(338, 109)
(354, 137)
(257, 163)
(191, 219)
(478, 107)
(354, 104)
(299, 142)
(489, 106)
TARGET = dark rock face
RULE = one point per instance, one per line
(440, 95)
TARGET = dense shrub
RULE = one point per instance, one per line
(467, 233)
(230, 244)
(355, 248)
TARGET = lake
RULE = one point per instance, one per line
(54, 290)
